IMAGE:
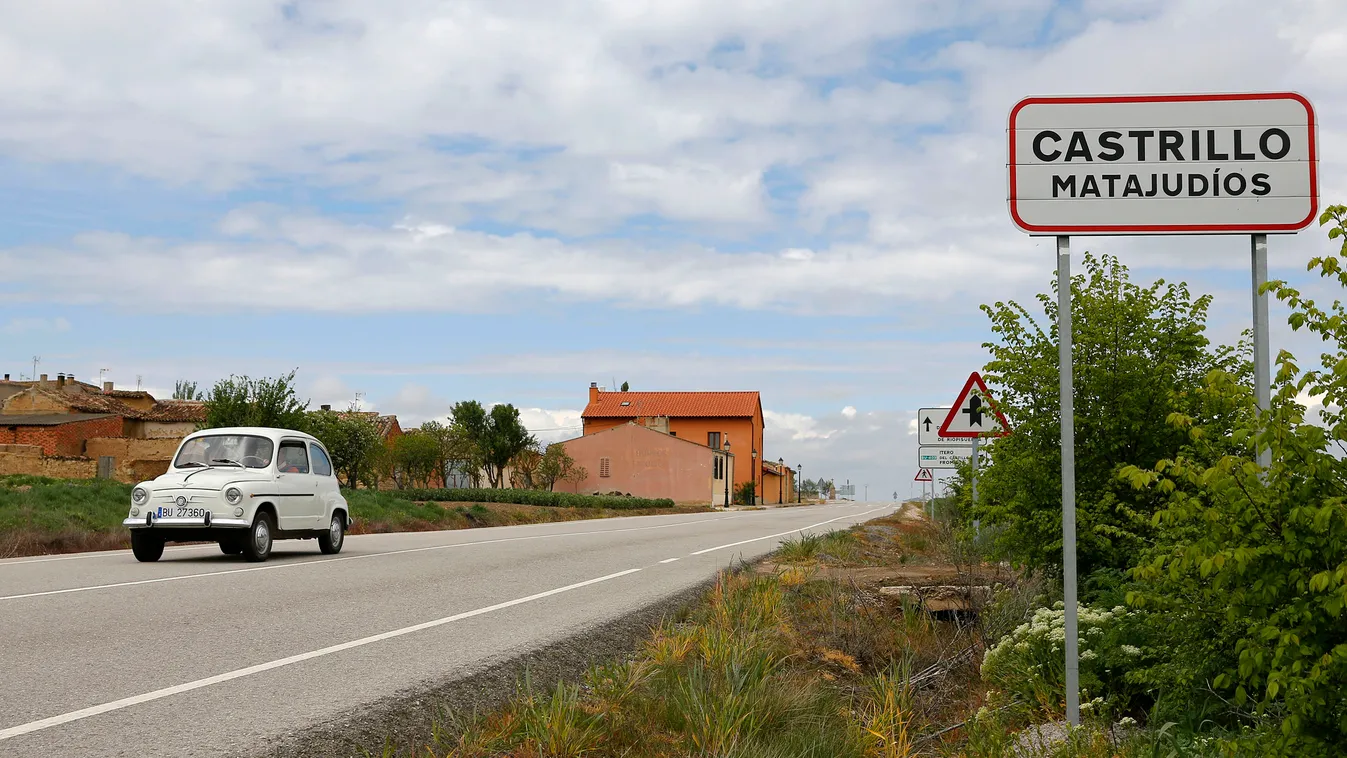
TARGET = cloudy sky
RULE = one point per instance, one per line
(423, 202)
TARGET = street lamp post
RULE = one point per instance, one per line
(725, 471)
(799, 483)
(754, 472)
(781, 485)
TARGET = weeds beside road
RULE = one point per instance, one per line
(41, 516)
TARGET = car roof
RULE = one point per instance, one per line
(270, 433)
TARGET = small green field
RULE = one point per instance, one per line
(40, 516)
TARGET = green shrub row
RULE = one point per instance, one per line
(532, 497)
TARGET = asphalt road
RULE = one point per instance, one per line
(203, 654)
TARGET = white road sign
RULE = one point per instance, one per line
(1163, 164)
(942, 456)
(928, 428)
(974, 413)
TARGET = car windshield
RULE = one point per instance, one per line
(244, 450)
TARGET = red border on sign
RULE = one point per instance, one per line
(1163, 228)
(923, 475)
(974, 379)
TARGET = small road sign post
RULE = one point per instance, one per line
(974, 415)
(1167, 164)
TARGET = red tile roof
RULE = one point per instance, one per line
(673, 404)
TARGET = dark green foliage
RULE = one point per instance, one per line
(241, 401)
(352, 440)
(744, 494)
(1138, 352)
(532, 497)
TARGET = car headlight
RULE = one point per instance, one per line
(233, 496)
(139, 496)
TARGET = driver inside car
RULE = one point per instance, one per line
(289, 462)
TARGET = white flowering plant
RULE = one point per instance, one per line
(1029, 664)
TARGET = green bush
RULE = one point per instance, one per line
(1029, 664)
(532, 497)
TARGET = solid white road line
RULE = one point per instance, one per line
(98, 554)
(668, 560)
(781, 534)
(324, 561)
(127, 702)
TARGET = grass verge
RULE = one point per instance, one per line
(802, 655)
(42, 516)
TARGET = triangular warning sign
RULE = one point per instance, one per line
(974, 413)
(923, 475)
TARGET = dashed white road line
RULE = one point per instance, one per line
(127, 702)
(324, 561)
(668, 560)
(780, 534)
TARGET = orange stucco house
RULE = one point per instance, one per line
(706, 418)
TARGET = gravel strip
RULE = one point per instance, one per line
(406, 720)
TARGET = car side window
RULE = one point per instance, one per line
(322, 466)
(292, 458)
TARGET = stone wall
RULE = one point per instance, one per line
(28, 459)
(134, 460)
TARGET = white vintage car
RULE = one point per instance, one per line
(242, 487)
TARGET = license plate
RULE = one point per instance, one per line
(181, 512)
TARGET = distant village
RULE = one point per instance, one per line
(691, 447)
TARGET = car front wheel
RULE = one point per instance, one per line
(331, 540)
(231, 546)
(146, 547)
(257, 545)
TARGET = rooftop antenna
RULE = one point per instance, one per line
(137, 382)
(36, 360)
(101, 372)
(358, 397)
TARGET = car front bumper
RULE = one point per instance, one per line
(173, 522)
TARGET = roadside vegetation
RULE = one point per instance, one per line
(39, 515)
(1213, 592)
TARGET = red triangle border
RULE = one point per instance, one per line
(974, 379)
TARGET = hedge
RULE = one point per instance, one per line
(532, 497)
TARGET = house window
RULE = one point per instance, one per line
(713, 440)
(719, 468)
(603, 467)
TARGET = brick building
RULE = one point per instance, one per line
(705, 418)
(62, 434)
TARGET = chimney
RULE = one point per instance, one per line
(42, 380)
(6, 377)
(593, 391)
(107, 387)
(60, 381)
(326, 407)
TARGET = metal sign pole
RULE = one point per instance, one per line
(1068, 477)
(977, 525)
(1262, 381)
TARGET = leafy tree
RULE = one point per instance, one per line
(185, 390)
(524, 468)
(241, 401)
(416, 457)
(1247, 577)
(456, 451)
(625, 386)
(351, 438)
(469, 425)
(496, 436)
(1137, 352)
(558, 466)
(744, 494)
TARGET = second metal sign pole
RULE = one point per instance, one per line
(1262, 379)
(1068, 478)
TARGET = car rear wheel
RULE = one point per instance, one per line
(330, 541)
(145, 546)
(257, 545)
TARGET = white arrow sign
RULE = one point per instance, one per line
(928, 428)
(943, 456)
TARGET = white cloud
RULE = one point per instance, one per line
(849, 412)
(38, 325)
